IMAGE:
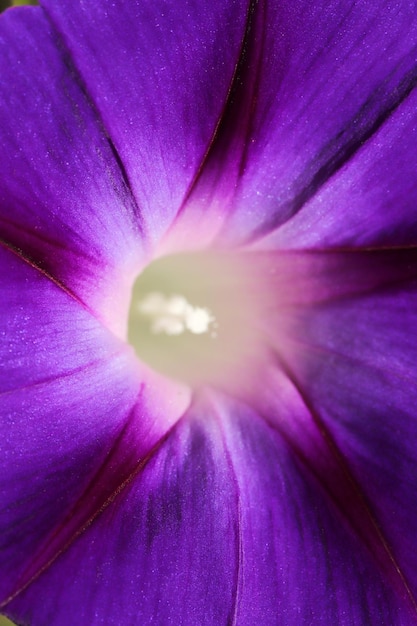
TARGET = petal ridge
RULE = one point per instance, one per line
(60, 375)
(25, 259)
(336, 160)
(233, 100)
(78, 78)
(370, 533)
(56, 544)
(166, 142)
(239, 534)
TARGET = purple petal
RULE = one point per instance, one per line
(309, 549)
(284, 286)
(374, 328)
(63, 199)
(168, 66)
(355, 361)
(313, 86)
(224, 524)
(288, 279)
(163, 551)
(371, 200)
(77, 416)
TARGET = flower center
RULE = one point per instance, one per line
(191, 319)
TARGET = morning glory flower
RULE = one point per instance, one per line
(208, 279)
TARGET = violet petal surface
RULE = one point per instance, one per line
(284, 133)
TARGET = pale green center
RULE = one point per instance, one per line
(190, 320)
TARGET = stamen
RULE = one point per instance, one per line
(174, 315)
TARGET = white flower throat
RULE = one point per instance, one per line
(191, 319)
